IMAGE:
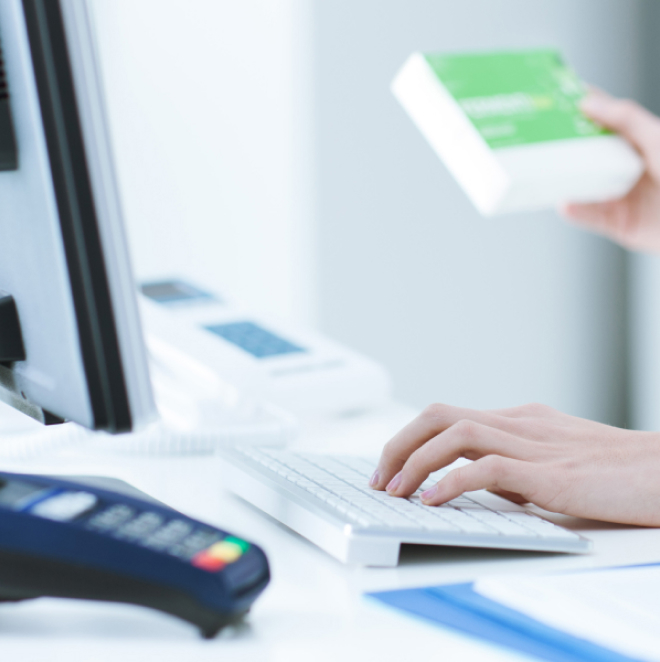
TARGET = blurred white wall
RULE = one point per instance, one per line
(261, 151)
(644, 353)
(208, 104)
(644, 270)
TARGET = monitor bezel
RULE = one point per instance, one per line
(101, 353)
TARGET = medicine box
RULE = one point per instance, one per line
(508, 127)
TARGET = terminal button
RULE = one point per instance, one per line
(197, 541)
(169, 534)
(225, 551)
(141, 526)
(221, 554)
(205, 561)
(111, 517)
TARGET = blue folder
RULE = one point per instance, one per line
(460, 607)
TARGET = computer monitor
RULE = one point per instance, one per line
(75, 351)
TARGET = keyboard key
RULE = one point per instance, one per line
(465, 522)
(471, 525)
(542, 527)
(362, 467)
(503, 525)
(317, 490)
(463, 502)
(526, 519)
(361, 518)
(439, 524)
(306, 484)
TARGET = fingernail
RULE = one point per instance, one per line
(373, 481)
(394, 483)
(429, 494)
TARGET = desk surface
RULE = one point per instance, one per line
(314, 608)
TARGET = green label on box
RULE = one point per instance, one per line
(516, 98)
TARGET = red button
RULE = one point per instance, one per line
(205, 561)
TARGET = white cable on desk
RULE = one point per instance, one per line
(44, 441)
(270, 427)
(162, 439)
(198, 413)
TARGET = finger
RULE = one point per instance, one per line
(437, 418)
(432, 421)
(491, 473)
(465, 439)
(606, 218)
(594, 90)
(628, 118)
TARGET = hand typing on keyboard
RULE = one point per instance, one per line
(531, 453)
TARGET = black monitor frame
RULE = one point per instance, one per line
(79, 224)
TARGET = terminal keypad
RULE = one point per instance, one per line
(205, 548)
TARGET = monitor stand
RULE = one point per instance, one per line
(11, 350)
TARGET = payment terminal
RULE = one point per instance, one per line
(61, 538)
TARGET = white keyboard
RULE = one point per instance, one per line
(326, 498)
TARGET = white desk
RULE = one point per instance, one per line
(314, 608)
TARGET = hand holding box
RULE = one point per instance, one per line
(509, 128)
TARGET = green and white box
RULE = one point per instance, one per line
(508, 127)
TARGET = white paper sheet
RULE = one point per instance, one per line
(618, 608)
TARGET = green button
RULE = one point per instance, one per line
(237, 541)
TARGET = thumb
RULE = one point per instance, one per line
(627, 118)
